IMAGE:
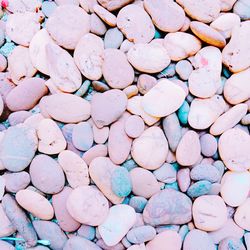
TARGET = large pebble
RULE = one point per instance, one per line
(65, 20)
(234, 149)
(16, 157)
(189, 149)
(135, 24)
(65, 220)
(101, 170)
(50, 231)
(235, 187)
(66, 108)
(149, 58)
(150, 150)
(88, 56)
(35, 203)
(209, 212)
(163, 99)
(6, 227)
(114, 228)
(77, 242)
(180, 45)
(141, 234)
(46, 174)
(235, 55)
(75, 168)
(123, 76)
(30, 90)
(167, 240)
(144, 183)
(168, 207)
(108, 107)
(205, 172)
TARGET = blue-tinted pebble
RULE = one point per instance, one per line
(129, 165)
(173, 185)
(167, 72)
(183, 113)
(120, 182)
(216, 156)
(86, 231)
(226, 72)
(138, 203)
(157, 34)
(176, 166)
(83, 89)
(126, 201)
(183, 231)
(7, 48)
(160, 229)
(199, 188)
(166, 173)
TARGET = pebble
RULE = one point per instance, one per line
(139, 235)
(35, 203)
(180, 45)
(123, 76)
(138, 203)
(242, 216)
(97, 26)
(6, 227)
(163, 99)
(18, 117)
(131, 91)
(166, 173)
(155, 57)
(168, 207)
(209, 212)
(88, 232)
(183, 179)
(235, 158)
(113, 4)
(75, 168)
(113, 38)
(68, 19)
(183, 112)
(48, 8)
(227, 4)
(208, 145)
(144, 183)
(205, 172)
(154, 151)
(96, 151)
(6, 246)
(242, 9)
(134, 126)
(232, 243)
(64, 219)
(46, 174)
(114, 228)
(135, 24)
(77, 242)
(199, 188)
(100, 134)
(145, 82)
(184, 69)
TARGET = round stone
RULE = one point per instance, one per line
(141, 234)
(113, 38)
(145, 83)
(134, 126)
(113, 4)
(231, 242)
(241, 8)
(184, 68)
(242, 215)
(208, 145)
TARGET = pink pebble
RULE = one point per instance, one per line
(134, 126)
(208, 145)
(183, 179)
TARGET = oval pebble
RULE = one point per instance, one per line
(232, 243)
(113, 38)
(6, 227)
(199, 188)
(139, 235)
(96, 151)
(138, 203)
(16, 181)
(241, 8)
(18, 117)
(134, 126)
(205, 172)
(242, 215)
(208, 145)
(113, 4)
(145, 82)
(166, 173)
(77, 242)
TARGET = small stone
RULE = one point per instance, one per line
(242, 9)
(77, 242)
(6, 227)
(184, 68)
(97, 26)
(134, 126)
(113, 38)
(205, 172)
(166, 173)
(242, 215)
(94, 152)
(18, 117)
(183, 179)
(199, 188)
(106, 16)
(183, 112)
(88, 232)
(232, 243)
(208, 145)
(138, 203)
(100, 134)
(139, 235)
(145, 83)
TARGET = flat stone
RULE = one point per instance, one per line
(134, 126)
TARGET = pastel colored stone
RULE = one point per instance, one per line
(19, 220)
(183, 179)
(6, 227)
(113, 38)
(138, 203)
(213, 107)
(141, 234)
(242, 215)
(163, 99)
(66, 108)
(168, 207)
(123, 76)
(145, 82)
(209, 212)
(241, 8)
(235, 158)
(134, 126)
(135, 24)
(21, 27)
(75, 168)
(17, 158)
(62, 69)
(197, 239)
(97, 26)
(131, 91)
(19, 6)
(166, 173)
(89, 55)
(96, 151)
(227, 4)
(6, 246)
(208, 145)
(189, 149)
(65, 20)
(77, 242)
(101, 170)
(106, 16)
(88, 232)
(48, 8)
(235, 187)
(35, 203)
(150, 149)
(203, 11)
(166, 15)
(114, 228)
(31, 90)
(52, 232)
(65, 220)
(62, 2)
(231, 242)
(46, 174)
(108, 107)
(167, 240)
(85, 203)
(144, 183)
(199, 188)
(50, 138)
(180, 45)
(113, 4)
(236, 89)
(100, 134)
(18, 117)
(155, 57)
(184, 69)
(205, 172)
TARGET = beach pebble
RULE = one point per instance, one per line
(242, 215)
(89, 56)
(75, 168)
(135, 24)
(107, 107)
(184, 69)
(138, 203)
(17, 158)
(150, 149)
(145, 82)
(208, 145)
(97, 26)
(113, 38)
(46, 174)
(106, 16)
(6, 246)
(6, 227)
(68, 19)
(166, 173)
(88, 232)
(205, 172)
(114, 228)
(199, 188)
(242, 9)
(163, 99)
(141, 234)
(35, 203)
(96, 151)
(134, 126)
(155, 57)
(77, 242)
(235, 158)
(232, 243)
(65, 220)
(183, 179)
(168, 207)
(209, 212)
(49, 7)
(113, 4)
(18, 117)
